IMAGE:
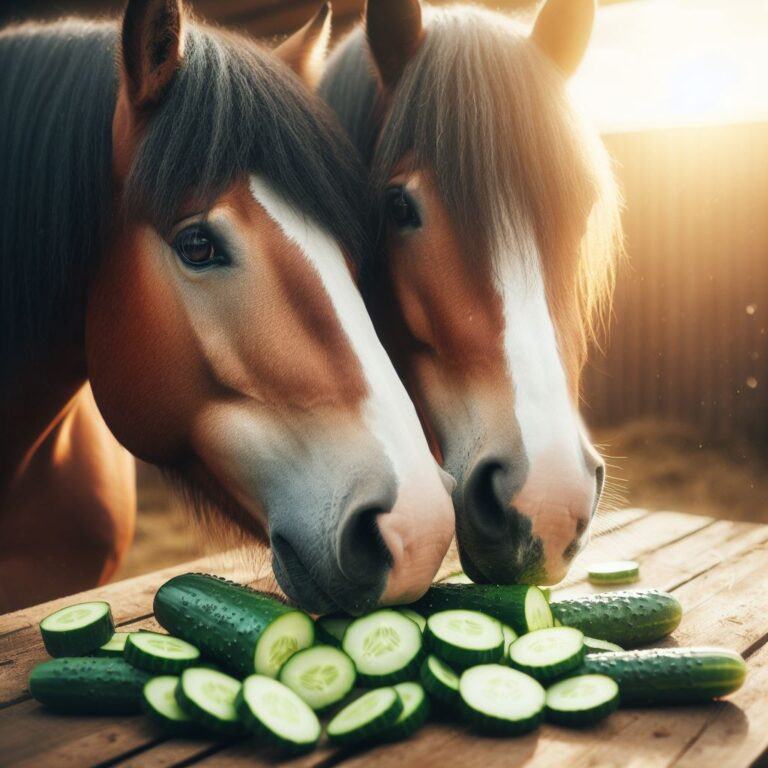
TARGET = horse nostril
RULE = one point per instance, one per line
(362, 553)
(488, 493)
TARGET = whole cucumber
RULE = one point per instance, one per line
(88, 685)
(243, 630)
(665, 676)
(627, 617)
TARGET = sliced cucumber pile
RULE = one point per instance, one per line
(277, 716)
(385, 646)
(501, 700)
(366, 718)
(209, 697)
(321, 676)
(161, 706)
(627, 617)
(581, 700)
(77, 629)
(161, 654)
(464, 638)
(614, 572)
(483, 652)
(547, 654)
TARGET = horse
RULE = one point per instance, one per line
(498, 238)
(181, 229)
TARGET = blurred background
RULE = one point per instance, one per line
(678, 395)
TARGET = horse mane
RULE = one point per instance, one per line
(233, 109)
(487, 113)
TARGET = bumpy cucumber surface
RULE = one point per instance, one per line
(78, 629)
(670, 675)
(627, 617)
(88, 685)
(243, 630)
(524, 608)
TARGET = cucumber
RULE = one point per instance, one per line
(243, 630)
(277, 716)
(114, 646)
(456, 578)
(161, 654)
(209, 698)
(614, 572)
(77, 629)
(414, 714)
(440, 681)
(417, 618)
(385, 646)
(524, 608)
(366, 718)
(509, 637)
(628, 617)
(670, 675)
(464, 638)
(162, 708)
(497, 699)
(547, 654)
(90, 685)
(581, 700)
(321, 675)
(593, 645)
(330, 629)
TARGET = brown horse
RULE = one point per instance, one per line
(500, 228)
(181, 224)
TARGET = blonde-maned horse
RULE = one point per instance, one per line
(499, 233)
(181, 224)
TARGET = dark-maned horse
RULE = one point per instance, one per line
(501, 233)
(180, 225)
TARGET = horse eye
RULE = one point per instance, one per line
(195, 248)
(401, 209)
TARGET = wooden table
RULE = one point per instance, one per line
(717, 569)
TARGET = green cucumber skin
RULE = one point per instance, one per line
(90, 685)
(371, 732)
(497, 726)
(628, 617)
(575, 719)
(503, 602)
(223, 619)
(461, 658)
(661, 676)
(81, 641)
(442, 694)
(157, 665)
(547, 675)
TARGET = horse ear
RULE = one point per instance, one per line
(152, 49)
(304, 51)
(562, 30)
(395, 31)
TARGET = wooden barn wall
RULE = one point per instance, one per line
(689, 333)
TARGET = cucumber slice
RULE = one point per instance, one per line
(161, 654)
(365, 718)
(497, 699)
(614, 572)
(414, 715)
(77, 629)
(417, 618)
(593, 645)
(277, 715)
(89, 685)
(440, 681)
(582, 700)
(457, 578)
(547, 654)
(242, 630)
(209, 697)
(666, 676)
(524, 608)
(626, 617)
(385, 646)
(330, 629)
(509, 637)
(161, 706)
(464, 637)
(114, 646)
(321, 676)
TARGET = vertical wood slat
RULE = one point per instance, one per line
(682, 342)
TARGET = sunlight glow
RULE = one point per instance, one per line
(660, 63)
